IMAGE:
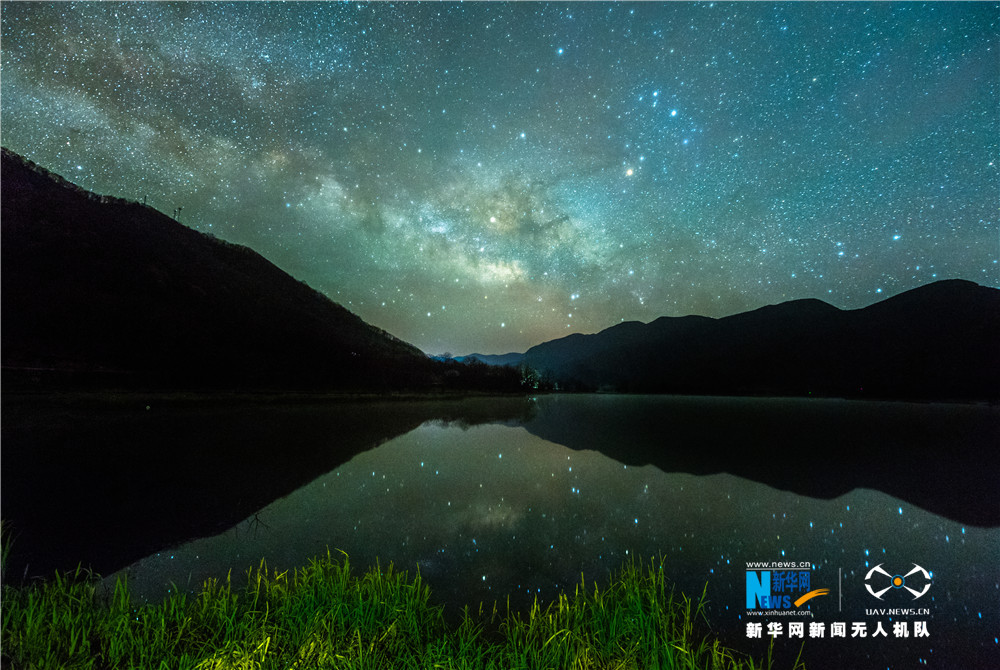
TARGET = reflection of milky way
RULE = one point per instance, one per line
(493, 511)
(488, 176)
(492, 517)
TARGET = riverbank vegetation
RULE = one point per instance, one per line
(324, 615)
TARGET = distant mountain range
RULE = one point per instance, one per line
(939, 341)
(99, 290)
(511, 359)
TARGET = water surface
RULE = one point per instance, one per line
(492, 510)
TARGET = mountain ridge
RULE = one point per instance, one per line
(101, 287)
(933, 341)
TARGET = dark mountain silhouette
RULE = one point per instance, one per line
(103, 290)
(938, 341)
(106, 291)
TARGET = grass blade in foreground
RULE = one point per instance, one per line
(323, 616)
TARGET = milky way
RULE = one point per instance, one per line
(484, 177)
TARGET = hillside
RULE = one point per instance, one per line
(98, 290)
(937, 341)
(103, 291)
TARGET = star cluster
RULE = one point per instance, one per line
(487, 176)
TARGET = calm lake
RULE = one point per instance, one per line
(494, 498)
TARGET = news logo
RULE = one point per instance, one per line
(898, 581)
(785, 586)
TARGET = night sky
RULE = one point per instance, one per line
(485, 177)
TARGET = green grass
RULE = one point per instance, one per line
(324, 616)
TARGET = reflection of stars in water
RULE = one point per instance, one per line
(483, 521)
(490, 511)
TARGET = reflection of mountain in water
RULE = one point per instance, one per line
(111, 483)
(105, 482)
(495, 513)
(939, 457)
